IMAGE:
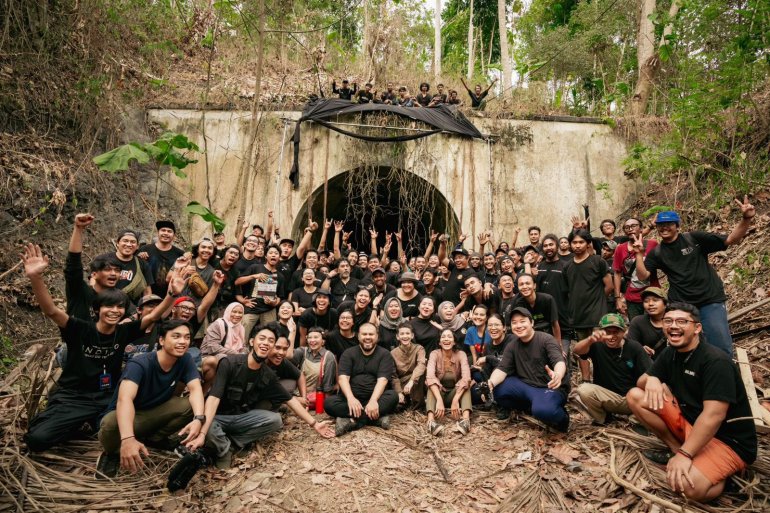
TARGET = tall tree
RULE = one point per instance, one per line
(505, 56)
(437, 40)
(470, 43)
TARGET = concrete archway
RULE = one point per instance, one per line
(404, 201)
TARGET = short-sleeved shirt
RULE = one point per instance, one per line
(641, 330)
(455, 282)
(587, 301)
(156, 386)
(286, 370)
(624, 263)
(618, 369)
(544, 311)
(707, 374)
(550, 279)
(342, 291)
(128, 272)
(473, 339)
(160, 263)
(250, 289)
(685, 261)
(358, 318)
(302, 297)
(337, 343)
(310, 318)
(409, 307)
(240, 389)
(425, 333)
(91, 354)
(364, 370)
(527, 360)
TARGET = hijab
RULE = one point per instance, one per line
(236, 334)
(391, 323)
(453, 324)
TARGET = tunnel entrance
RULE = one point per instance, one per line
(390, 199)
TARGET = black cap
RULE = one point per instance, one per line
(165, 224)
(150, 298)
(290, 241)
(521, 311)
(460, 251)
(378, 270)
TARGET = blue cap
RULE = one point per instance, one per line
(669, 216)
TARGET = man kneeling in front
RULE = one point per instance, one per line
(693, 399)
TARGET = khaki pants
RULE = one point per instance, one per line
(154, 425)
(448, 394)
(251, 320)
(599, 401)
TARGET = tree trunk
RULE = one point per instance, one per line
(470, 43)
(648, 55)
(437, 41)
(367, 37)
(505, 58)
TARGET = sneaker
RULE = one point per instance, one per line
(503, 414)
(434, 428)
(383, 422)
(343, 426)
(224, 462)
(107, 466)
(464, 427)
(486, 395)
(657, 456)
(185, 470)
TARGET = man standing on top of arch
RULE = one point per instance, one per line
(683, 256)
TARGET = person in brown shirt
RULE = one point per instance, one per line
(448, 380)
(409, 380)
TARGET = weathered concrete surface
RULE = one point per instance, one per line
(538, 172)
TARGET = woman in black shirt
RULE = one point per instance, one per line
(426, 330)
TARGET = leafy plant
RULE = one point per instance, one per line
(164, 151)
(196, 209)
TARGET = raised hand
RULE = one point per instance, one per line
(398, 235)
(373, 233)
(313, 226)
(433, 236)
(747, 209)
(463, 236)
(346, 235)
(82, 221)
(35, 262)
(339, 225)
(219, 277)
(270, 213)
(327, 224)
(637, 244)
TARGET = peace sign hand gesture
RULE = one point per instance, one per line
(747, 209)
(637, 245)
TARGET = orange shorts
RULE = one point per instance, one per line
(717, 461)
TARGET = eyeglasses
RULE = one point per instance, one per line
(192, 309)
(630, 225)
(681, 323)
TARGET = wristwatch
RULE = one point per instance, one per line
(202, 418)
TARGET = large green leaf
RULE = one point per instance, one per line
(207, 215)
(120, 158)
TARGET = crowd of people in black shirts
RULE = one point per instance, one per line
(402, 96)
(196, 351)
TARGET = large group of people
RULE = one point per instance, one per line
(203, 351)
(402, 97)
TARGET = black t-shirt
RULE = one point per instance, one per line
(642, 331)
(242, 265)
(91, 354)
(425, 334)
(423, 99)
(303, 298)
(285, 270)
(228, 289)
(455, 282)
(550, 279)
(544, 311)
(128, 271)
(476, 100)
(156, 386)
(160, 263)
(437, 294)
(587, 301)
(492, 303)
(337, 343)
(364, 371)
(286, 370)
(341, 291)
(409, 307)
(387, 338)
(309, 318)
(250, 288)
(240, 389)
(506, 307)
(527, 360)
(358, 318)
(685, 261)
(618, 369)
(80, 295)
(364, 96)
(707, 374)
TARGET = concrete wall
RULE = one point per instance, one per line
(538, 172)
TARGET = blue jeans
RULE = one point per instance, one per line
(546, 405)
(716, 329)
(241, 430)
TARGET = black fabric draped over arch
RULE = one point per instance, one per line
(443, 118)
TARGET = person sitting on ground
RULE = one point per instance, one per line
(224, 336)
(405, 99)
(423, 98)
(693, 399)
(617, 363)
(289, 375)
(438, 98)
(477, 336)
(449, 381)
(135, 277)
(683, 256)
(318, 366)
(321, 315)
(477, 95)
(390, 321)
(489, 358)
(364, 376)
(366, 95)
(233, 419)
(389, 96)
(94, 356)
(344, 92)
(409, 379)
(647, 329)
(145, 407)
(453, 99)
(521, 381)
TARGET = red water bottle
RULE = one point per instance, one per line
(319, 402)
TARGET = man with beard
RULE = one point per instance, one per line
(683, 256)
(364, 376)
(258, 291)
(379, 288)
(94, 356)
(530, 376)
(105, 270)
(618, 363)
(161, 256)
(135, 277)
(341, 284)
(550, 280)
(693, 399)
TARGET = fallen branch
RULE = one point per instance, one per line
(748, 309)
(9, 271)
(441, 467)
(638, 491)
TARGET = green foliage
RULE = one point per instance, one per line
(654, 210)
(454, 34)
(164, 151)
(196, 209)
(8, 355)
